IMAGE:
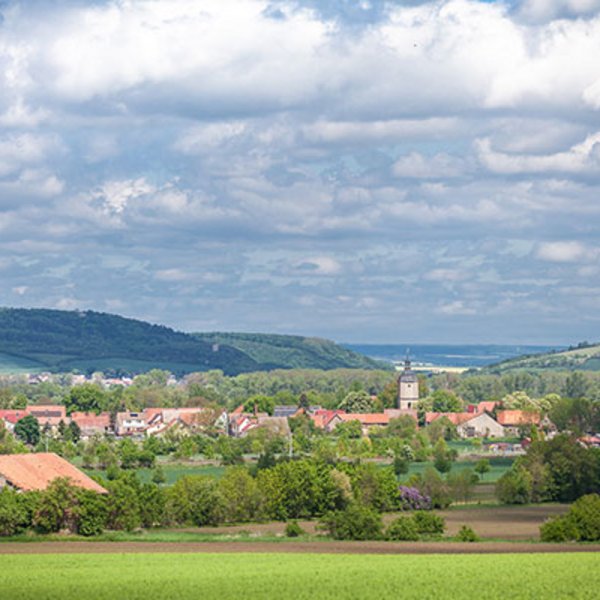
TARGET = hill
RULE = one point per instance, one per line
(54, 340)
(293, 352)
(585, 357)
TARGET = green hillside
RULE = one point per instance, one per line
(585, 357)
(292, 352)
(53, 340)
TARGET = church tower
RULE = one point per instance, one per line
(408, 388)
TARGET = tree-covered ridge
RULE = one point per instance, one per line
(292, 352)
(59, 340)
(585, 357)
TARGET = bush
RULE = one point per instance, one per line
(581, 523)
(91, 513)
(466, 534)
(194, 500)
(292, 529)
(13, 512)
(585, 515)
(412, 499)
(429, 523)
(356, 522)
(558, 529)
(404, 529)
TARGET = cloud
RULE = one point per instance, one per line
(562, 252)
(546, 10)
(440, 166)
(580, 158)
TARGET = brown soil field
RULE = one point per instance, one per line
(512, 523)
(287, 547)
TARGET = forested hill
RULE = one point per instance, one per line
(55, 340)
(293, 352)
(585, 357)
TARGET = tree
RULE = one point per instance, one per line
(13, 512)
(87, 397)
(351, 430)
(28, 430)
(261, 404)
(356, 522)
(123, 504)
(462, 484)
(442, 456)
(240, 495)
(482, 467)
(514, 487)
(74, 432)
(194, 500)
(445, 401)
(356, 402)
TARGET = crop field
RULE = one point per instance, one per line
(224, 576)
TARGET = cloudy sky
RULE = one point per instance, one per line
(371, 171)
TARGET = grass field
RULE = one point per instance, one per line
(498, 466)
(298, 576)
(172, 472)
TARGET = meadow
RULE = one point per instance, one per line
(298, 576)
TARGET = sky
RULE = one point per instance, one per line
(366, 171)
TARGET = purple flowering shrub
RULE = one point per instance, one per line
(412, 499)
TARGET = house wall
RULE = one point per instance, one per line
(481, 426)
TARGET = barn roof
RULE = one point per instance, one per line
(36, 471)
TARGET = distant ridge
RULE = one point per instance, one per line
(584, 357)
(62, 341)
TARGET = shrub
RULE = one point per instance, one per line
(412, 499)
(581, 523)
(91, 513)
(429, 523)
(403, 529)
(13, 512)
(356, 522)
(558, 529)
(585, 515)
(194, 500)
(292, 529)
(466, 534)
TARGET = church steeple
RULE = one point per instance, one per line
(408, 387)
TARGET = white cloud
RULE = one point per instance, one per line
(115, 195)
(545, 10)
(319, 265)
(580, 158)
(562, 252)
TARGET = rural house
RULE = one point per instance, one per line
(29, 472)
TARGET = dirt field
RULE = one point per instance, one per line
(516, 523)
(290, 547)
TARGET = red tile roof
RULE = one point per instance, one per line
(514, 418)
(454, 418)
(366, 418)
(36, 471)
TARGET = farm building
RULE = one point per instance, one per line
(480, 425)
(29, 472)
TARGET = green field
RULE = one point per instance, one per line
(173, 472)
(224, 576)
(498, 466)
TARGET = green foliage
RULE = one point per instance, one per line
(515, 486)
(287, 351)
(403, 529)
(462, 484)
(240, 495)
(28, 430)
(292, 529)
(87, 397)
(357, 402)
(431, 484)
(356, 522)
(466, 534)
(351, 430)
(158, 475)
(374, 486)
(91, 513)
(445, 401)
(428, 523)
(581, 523)
(482, 467)
(57, 508)
(442, 456)
(14, 516)
(152, 502)
(194, 500)
(260, 403)
(123, 505)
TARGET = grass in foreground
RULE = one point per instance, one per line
(297, 576)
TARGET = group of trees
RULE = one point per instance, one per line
(560, 470)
